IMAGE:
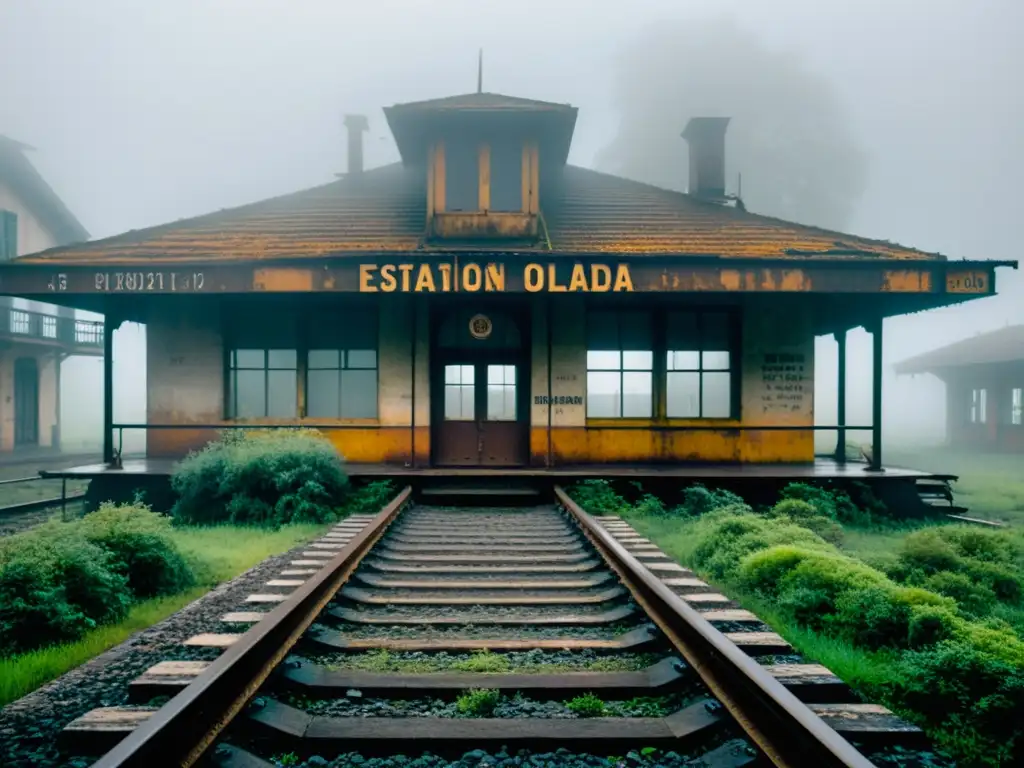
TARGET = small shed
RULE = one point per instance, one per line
(984, 377)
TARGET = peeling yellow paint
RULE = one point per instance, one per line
(906, 281)
(282, 279)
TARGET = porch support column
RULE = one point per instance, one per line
(108, 385)
(841, 397)
(876, 395)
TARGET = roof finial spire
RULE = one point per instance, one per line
(480, 72)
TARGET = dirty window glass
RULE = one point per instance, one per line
(620, 365)
(262, 383)
(506, 176)
(698, 365)
(462, 176)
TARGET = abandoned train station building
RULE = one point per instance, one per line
(984, 378)
(484, 304)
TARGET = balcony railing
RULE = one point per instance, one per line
(66, 330)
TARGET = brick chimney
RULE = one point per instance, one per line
(355, 125)
(706, 137)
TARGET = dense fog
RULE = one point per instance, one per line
(895, 119)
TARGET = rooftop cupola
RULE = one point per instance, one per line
(483, 154)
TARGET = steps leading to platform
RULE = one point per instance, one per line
(498, 494)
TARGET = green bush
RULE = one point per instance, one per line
(927, 551)
(829, 502)
(54, 586)
(265, 477)
(806, 514)
(728, 537)
(598, 497)
(974, 598)
(968, 699)
(698, 500)
(140, 548)
(369, 499)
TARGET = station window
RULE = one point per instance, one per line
(978, 402)
(699, 364)
(506, 176)
(1017, 406)
(274, 350)
(620, 365)
(262, 383)
(341, 376)
(462, 176)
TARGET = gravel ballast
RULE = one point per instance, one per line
(29, 727)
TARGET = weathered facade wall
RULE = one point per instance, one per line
(186, 374)
(777, 389)
(186, 360)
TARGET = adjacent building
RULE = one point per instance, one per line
(34, 337)
(485, 304)
(984, 378)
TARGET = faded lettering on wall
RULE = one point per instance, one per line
(782, 379)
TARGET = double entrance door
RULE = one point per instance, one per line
(479, 393)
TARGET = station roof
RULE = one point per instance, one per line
(383, 211)
(18, 173)
(1002, 346)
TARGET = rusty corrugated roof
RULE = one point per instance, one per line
(1002, 346)
(384, 210)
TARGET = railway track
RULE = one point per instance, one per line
(489, 631)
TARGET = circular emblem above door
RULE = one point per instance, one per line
(480, 326)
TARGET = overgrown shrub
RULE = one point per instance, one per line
(369, 499)
(699, 500)
(140, 548)
(968, 699)
(597, 497)
(832, 503)
(974, 566)
(805, 514)
(974, 598)
(265, 477)
(54, 586)
(728, 537)
(960, 676)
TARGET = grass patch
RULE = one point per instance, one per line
(485, 662)
(587, 705)
(478, 702)
(221, 552)
(23, 673)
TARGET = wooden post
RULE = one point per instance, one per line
(841, 398)
(108, 385)
(875, 464)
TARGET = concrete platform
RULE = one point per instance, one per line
(820, 469)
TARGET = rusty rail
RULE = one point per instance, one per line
(181, 731)
(787, 732)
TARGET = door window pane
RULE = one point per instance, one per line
(501, 393)
(459, 393)
(1016, 406)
